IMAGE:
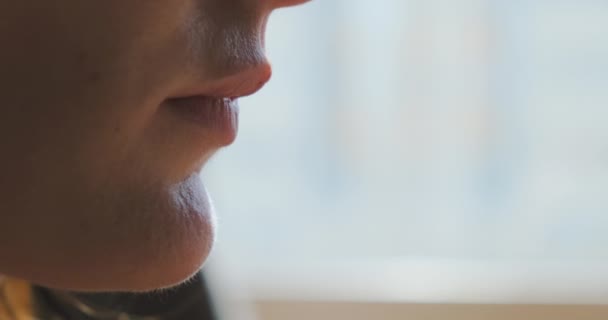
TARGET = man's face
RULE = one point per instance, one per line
(108, 111)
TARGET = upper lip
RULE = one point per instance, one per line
(287, 3)
(240, 83)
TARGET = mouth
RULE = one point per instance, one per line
(216, 115)
(213, 105)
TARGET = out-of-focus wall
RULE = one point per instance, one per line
(422, 129)
(433, 128)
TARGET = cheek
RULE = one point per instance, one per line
(83, 155)
(78, 102)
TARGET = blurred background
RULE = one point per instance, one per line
(420, 151)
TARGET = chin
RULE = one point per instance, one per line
(141, 241)
(174, 244)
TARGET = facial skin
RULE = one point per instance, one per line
(100, 187)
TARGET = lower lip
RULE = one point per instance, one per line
(217, 115)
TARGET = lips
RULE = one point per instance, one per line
(219, 116)
(213, 104)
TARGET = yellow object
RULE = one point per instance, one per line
(16, 301)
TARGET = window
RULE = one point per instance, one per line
(404, 140)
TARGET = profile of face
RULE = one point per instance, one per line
(109, 110)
